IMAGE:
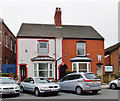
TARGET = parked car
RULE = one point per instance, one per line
(80, 82)
(9, 86)
(114, 83)
(39, 85)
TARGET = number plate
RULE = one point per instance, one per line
(8, 91)
(95, 82)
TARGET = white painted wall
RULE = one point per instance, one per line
(31, 46)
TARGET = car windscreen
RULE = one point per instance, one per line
(39, 80)
(91, 76)
(7, 81)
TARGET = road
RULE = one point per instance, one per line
(103, 94)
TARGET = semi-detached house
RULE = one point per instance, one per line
(41, 48)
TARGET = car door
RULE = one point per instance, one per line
(31, 84)
(74, 81)
(25, 83)
(64, 83)
(118, 82)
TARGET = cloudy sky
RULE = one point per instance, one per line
(101, 14)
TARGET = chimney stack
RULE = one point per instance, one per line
(57, 18)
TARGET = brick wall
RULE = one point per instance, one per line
(93, 47)
(6, 51)
(114, 60)
(107, 60)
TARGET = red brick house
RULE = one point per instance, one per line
(7, 45)
(80, 47)
(112, 61)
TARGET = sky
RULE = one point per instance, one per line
(100, 14)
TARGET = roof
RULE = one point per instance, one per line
(42, 59)
(49, 30)
(112, 48)
(78, 59)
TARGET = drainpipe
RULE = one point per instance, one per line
(55, 62)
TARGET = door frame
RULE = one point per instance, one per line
(23, 66)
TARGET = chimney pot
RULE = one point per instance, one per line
(57, 17)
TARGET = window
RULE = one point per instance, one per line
(74, 67)
(6, 61)
(15, 46)
(80, 49)
(81, 67)
(11, 43)
(27, 80)
(43, 70)
(43, 48)
(6, 40)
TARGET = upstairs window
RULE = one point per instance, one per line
(15, 46)
(6, 40)
(6, 61)
(80, 48)
(11, 43)
(43, 48)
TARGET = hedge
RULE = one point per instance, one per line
(6, 74)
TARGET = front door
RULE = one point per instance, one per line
(23, 72)
(99, 70)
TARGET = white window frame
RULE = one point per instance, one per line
(40, 70)
(42, 48)
(15, 46)
(77, 66)
(11, 43)
(84, 48)
(6, 39)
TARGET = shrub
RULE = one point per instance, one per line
(68, 72)
(6, 74)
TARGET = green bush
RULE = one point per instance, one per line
(68, 72)
(6, 74)
(99, 76)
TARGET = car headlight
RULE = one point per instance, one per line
(17, 87)
(0, 88)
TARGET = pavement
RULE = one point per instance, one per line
(105, 86)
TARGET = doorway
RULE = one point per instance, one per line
(99, 70)
(22, 72)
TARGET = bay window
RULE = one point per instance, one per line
(80, 48)
(81, 67)
(43, 70)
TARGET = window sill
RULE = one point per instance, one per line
(6, 46)
(42, 55)
(81, 56)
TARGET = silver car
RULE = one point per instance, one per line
(39, 85)
(8, 86)
(114, 83)
(80, 82)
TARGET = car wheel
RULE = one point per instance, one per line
(113, 86)
(18, 94)
(21, 89)
(37, 92)
(94, 91)
(79, 90)
(56, 93)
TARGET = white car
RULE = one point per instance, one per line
(114, 83)
(39, 85)
(9, 86)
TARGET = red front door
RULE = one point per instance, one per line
(22, 72)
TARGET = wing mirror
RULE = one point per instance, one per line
(31, 81)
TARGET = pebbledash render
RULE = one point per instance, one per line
(41, 49)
